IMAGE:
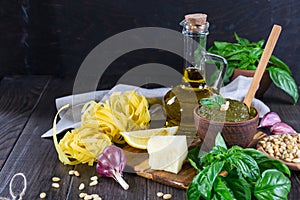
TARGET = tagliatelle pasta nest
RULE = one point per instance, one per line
(101, 124)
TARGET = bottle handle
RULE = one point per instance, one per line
(221, 64)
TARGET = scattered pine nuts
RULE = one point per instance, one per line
(82, 195)
(43, 195)
(94, 178)
(71, 172)
(160, 194)
(93, 183)
(81, 186)
(55, 185)
(55, 179)
(76, 173)
(167, 196)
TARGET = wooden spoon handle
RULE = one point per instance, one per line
(274, 35)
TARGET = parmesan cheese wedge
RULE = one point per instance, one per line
(167, 152)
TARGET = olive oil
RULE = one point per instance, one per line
(180, 102)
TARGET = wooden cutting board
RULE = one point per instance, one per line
(138, 162)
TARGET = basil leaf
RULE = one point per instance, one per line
(251, 67)
(255, 154)
(238, 56)
(240, 40)
(229, 72)
(213, 102)
(284, 81)
(246, 166)
(194, 158)
(279, 63)
(265, 163)
(216, 154)
(222, 190)
(220, 141)
(221, 45)
(202, 184)
(272, 185)
(239, 186)
(268, 163)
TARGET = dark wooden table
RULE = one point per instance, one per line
(27, 109)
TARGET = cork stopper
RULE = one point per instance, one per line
(196, 19)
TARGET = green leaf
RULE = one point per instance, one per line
(272, 185)
(260, 43)
(246, 166)
(240, 40)
(194, 158)
(213, 102)
(265, 163)
(239, 56)
(244, 64)
(202, 184)
(219, 141)
(279, 63)
(268, 163)
(222, 45)
(284, 81)
(251, 67)
(239, 186)
(222, 190)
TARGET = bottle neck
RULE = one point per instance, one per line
(195, 37)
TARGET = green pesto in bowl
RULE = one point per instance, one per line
(237, 112)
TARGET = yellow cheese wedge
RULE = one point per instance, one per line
(167, 152)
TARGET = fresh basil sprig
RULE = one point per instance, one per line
(250, 173)
(213, 102)
(246, 55)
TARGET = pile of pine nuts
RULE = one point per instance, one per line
(284, 146)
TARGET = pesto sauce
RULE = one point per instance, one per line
(236, 112)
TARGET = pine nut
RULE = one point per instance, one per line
(81, 186)
(93, 183)
(88, 197)
(167, 196)
(82, 195)
(43, 195)
(94, 178)
(71, 172)
(55, 185)
(159, 194)
(55, 179)
(76, 173)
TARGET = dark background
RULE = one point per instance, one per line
(51, 37)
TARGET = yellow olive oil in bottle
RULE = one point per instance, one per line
(179, 102)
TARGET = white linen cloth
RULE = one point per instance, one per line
(70, 118)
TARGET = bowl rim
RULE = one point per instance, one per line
(227, 123)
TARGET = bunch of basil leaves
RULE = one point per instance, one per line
(237, 173)
(246, 55)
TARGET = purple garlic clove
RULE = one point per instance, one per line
(269, 119)
(281, 128)
(111, 163)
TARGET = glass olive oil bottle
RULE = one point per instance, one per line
(180, 101)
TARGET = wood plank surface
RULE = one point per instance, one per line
(18, 99)
(37, 158)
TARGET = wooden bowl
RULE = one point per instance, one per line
(234, 133)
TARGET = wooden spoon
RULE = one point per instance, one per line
(262, 64)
